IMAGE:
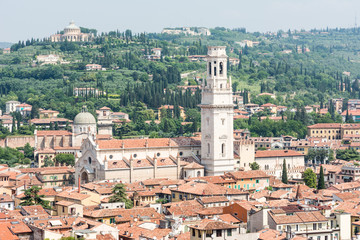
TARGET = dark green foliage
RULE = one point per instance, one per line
(65, 159)
(254, 166)
(348, 154)
(310, 178)
(119, 195)
(284, 177)
(321, 182)
(32, 197)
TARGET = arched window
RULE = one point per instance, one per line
(221, 68)
(198, 174)
(209, 68)
(208, 148)
(90, 160)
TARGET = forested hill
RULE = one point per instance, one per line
(301, 67)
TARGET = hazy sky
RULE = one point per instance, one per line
(23, 19)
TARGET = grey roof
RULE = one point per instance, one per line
(84, 118)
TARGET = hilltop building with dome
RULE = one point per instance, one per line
(72, 33)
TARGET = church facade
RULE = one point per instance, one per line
(131, 160)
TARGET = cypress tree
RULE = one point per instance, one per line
(321, 183)
(284, 177)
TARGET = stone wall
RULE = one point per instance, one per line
(17, 141)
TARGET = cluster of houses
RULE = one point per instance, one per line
(236, 205)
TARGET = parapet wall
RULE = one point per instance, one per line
(17, 141)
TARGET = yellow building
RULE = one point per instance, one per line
(53, 176)
(48, 114)
(66, 208)
(83, 197)
(250, 180)
(325, 130)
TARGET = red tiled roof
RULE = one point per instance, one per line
(248, 174)
(325, 125)
(277, 153)
(53, 132)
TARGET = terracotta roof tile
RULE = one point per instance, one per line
(277, 153)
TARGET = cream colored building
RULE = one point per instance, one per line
(72, 33)
(271, 162)
(244, 150)
(132, 160)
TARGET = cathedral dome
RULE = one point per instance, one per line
(72, 26)
(84, 118)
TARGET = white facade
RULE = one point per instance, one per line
(11, 106)
(217, 115)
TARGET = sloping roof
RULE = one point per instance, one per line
(207, 224)
(325, 125)
(277, 153)
(248, 174)
(299, 217)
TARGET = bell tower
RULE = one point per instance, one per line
(217, 154)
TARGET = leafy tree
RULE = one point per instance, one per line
(119, 195)
(310, 178)
(347, 154)
(254, 166)
(48, 162)
(65, 158)
(321, 182)
(28, 151)
(32, 197)
(284, 177)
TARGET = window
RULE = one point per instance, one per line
(320, 225)
(218, 233)
(90, 160)
(214, 71)
(193, 232)
(229, 232)
(221, 68)
(314, 226)
(158, 154)
(223, 148)
(296, 227)
(112, 220)
(180, 196)
(257, 181)
(111, 156)
(173, 195)
(208, 148)
(209, 68)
